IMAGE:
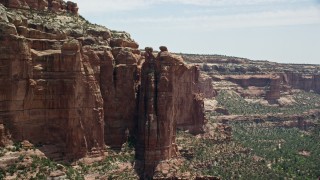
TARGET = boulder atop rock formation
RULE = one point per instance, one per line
(165, 57)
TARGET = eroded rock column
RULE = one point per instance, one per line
(156, 126)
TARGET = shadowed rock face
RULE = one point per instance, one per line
(119, 87)
(82, 88)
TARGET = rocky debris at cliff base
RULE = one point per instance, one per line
(286, 101)
(174, 169)
(210, 104)
(19, 162)
(217, 132)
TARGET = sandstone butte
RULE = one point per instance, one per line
(272, 84)
(80, 86)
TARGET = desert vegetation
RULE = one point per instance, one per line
(237, 105)
(29, 164)
(255, 152)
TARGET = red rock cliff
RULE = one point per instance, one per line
(50, 91)
(84, 87)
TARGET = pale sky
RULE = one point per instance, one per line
(275, 30)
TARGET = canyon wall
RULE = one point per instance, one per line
(301, 81)
(81, 86)
(274, 84)
(269, 84)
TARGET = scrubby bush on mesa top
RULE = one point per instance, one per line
(288, 153)
(235, 104)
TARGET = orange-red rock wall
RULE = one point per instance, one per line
(48, 99)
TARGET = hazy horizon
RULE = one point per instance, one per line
(284, 31)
